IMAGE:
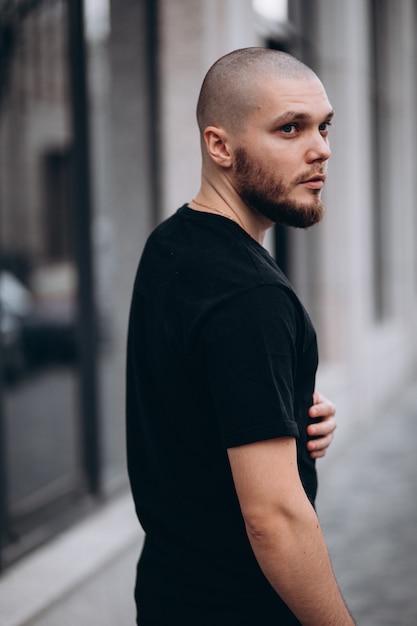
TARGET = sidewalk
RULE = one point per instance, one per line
(84, 576)
(368, 510)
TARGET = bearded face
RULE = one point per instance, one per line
(273, 197)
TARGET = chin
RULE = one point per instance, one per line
(293, 214)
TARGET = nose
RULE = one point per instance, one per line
(319, 149)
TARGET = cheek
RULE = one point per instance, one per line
(281, 171)
(284, 159)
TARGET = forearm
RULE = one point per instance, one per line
(284, 531)
(291, 551)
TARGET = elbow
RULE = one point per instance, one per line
(263, 526)
(258, 531)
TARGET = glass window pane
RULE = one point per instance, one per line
(38, 278)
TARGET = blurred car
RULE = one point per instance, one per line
(15, 305)
(50, 327)
(38, 326)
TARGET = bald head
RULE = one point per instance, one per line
(230, 90)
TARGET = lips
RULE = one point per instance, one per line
(315, 182)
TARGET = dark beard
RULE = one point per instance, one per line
(268, 196)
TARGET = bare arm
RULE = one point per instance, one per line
(284, 531)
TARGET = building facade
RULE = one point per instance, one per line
(98, 143)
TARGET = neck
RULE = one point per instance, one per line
(229, 213)
(211, 201)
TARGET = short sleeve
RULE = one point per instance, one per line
(250, 347)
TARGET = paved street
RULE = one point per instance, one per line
(368, 507)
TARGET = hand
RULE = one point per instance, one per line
(323, 430)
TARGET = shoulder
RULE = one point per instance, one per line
(259, 305)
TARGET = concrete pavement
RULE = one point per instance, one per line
(368, 510)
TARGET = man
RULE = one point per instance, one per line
(221, 369)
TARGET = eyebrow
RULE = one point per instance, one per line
(297, 116)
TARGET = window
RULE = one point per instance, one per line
(40, 303)
(78, 196)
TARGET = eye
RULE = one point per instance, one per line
(324, 128)
(289, 129)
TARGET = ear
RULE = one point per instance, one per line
(217, 145)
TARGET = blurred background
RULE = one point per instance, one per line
(98, 143)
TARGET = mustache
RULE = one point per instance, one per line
(314, 173)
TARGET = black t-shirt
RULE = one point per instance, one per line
(220, 353)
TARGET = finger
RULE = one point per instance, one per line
(322, 429)
(318, 447)
(319, 454)
(322, 409)
(317, 397)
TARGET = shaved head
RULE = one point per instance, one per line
(230, 90)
